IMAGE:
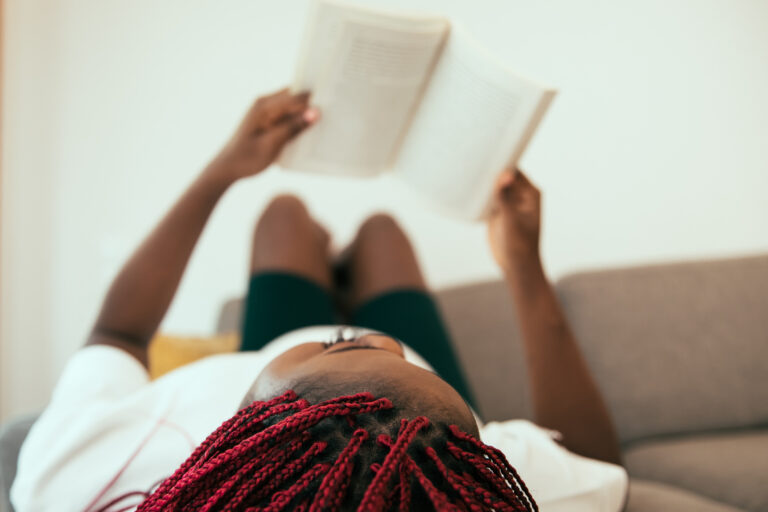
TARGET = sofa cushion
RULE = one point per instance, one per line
(647, 496)
(676, 348)
(11, 436)
(728, 467)
(168, 352)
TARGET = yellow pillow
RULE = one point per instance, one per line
(168, 352)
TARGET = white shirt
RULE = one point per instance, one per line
(109, 430)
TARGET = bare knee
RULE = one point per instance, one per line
(381, 227)
(284, 216)
(382, 259)
(287, 238)
(283, 208)
(286, 201)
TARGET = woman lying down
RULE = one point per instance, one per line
(346, 393)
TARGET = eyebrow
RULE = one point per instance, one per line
(353, 347)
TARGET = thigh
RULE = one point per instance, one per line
(290, 281)
(287, 239)
(381, 259)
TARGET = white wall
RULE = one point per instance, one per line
(656, 148)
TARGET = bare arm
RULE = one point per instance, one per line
(565, 397)
(140, 295)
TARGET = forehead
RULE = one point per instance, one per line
(419, 391)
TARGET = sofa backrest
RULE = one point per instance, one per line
(678, 347)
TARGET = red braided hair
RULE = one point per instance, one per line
(272, 456)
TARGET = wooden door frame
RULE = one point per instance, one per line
(26, 373)
(3, 384)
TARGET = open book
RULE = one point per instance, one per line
(415, 96)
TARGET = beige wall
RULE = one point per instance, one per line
(27, 114)
(655, 149)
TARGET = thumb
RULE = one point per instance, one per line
(500, 195)
(503, 185)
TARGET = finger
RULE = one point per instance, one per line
(274, 109)
(285, 91)
(523, 177)
(504, 180)
(501, 188)
(289, 110)
(282, 99)
(522, 188)
(303, 96)
(258, 104)
(495, 207)
(265, 108)
(277, 135)
(277, 94)
(253, 119)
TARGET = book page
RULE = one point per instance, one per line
(367, 71)
(474, 119)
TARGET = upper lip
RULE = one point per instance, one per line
(354, 347)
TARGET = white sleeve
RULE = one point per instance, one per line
(88, 400)
(558, 480)
(96, 373)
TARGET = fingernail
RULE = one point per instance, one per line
(311, 115)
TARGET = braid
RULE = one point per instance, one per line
(335, 483)
(508, 474)
(350, 452)
(374, 496)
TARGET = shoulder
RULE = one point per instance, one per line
(99, 371)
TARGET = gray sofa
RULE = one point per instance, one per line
(680, 352)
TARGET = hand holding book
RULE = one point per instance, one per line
(514, 222)
(271, 122)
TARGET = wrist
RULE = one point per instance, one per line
(521, 254)
(210, 186)
(523, 266)
(216, 177)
